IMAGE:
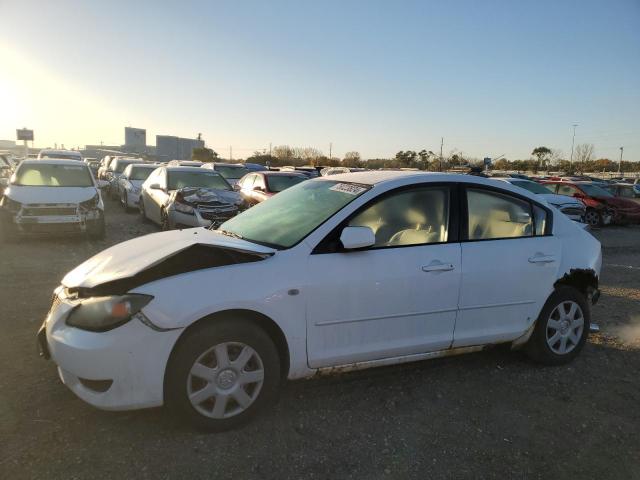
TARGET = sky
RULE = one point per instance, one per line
(491, 77)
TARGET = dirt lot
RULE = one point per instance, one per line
(486, 415)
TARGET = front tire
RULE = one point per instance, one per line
(96, 229)
(222, 374)
(143, 213)
(165, 223)
(593, 218)
(562, 328)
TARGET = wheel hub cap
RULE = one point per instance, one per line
(227, 379)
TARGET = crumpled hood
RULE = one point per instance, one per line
(50, 194)
(129, 258)
(211, 196)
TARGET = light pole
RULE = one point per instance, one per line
(620, 164)
(573, 141)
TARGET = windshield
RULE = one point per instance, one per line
(278, 183)
(141, 173)
(197, 178)
(48, 175)
(231, 173)
(122, 164)
(594, 191)
(533, 187)
(284, 220)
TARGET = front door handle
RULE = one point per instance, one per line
(538, 258)
(437, 267)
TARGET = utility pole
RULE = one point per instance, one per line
(573, 141)
(269, 149)
(620, 164)
(441, 144)
(230, 153)
(330, 149)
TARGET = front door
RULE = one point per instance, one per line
(399, 297)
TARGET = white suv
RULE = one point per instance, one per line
(342, 272)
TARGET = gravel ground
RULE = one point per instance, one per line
(486, 415)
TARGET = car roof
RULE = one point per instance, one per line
(222, 164)
(403, 177)
(177, 168)
(53, 161)
(53, 150)
(273, 173)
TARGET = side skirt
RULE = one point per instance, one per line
(397, 360)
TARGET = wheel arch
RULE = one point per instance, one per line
(268, 325)
(585, 280)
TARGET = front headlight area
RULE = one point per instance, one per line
(9, 205)
(101, 314)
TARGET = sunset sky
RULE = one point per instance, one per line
(492, 77)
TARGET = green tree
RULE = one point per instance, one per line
(351, 159)
(203, 154)
(542, 153)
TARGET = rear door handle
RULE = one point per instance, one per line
(542, 259)
(437, 267)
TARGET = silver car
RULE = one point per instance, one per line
(175, 197)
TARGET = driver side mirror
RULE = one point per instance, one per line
(357, 237)
(578, 195)
(155, 186)
(258, 189)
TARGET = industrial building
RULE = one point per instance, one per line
(175, 148)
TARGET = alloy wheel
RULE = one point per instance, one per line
(225, 380)
(592, 218)
(565, 327)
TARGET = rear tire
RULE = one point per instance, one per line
(222, 373)
(562, 328)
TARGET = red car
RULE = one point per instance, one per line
(256, 187)
(600, 203)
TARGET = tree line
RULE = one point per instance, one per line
(542, 159)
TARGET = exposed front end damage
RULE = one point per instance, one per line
(192, 258)
(46, 218)
(202, 207)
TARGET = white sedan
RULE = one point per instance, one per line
(342, 272)
(130, 183)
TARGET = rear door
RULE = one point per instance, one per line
(509, 265)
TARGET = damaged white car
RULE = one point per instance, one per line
(342, 272)
(52, 196)
(177, 197)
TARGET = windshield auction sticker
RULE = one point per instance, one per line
(349, 188)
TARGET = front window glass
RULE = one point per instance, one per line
(412, 217)
(197, 178)
(278, 183)
(594, 191)
(48, 175)
(231, 173)
(494, 215)
(568, 190)
(121, 165)
(533, 187)
(287, 218)
(141, 173)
